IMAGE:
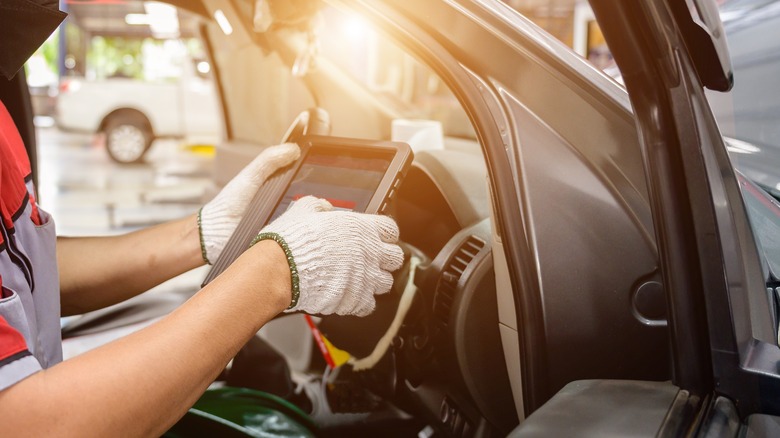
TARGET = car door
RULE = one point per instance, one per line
(723, 339)
(725, 342)
(607, 205)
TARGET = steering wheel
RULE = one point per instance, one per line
(314, 121)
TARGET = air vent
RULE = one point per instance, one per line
(448, 282)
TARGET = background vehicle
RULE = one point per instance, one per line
(136, 72)
(594, 242)
(132, 113)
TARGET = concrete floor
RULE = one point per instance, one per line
(89, 194)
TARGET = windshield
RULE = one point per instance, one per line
(390, 73)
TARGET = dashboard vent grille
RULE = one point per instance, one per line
(448, 283)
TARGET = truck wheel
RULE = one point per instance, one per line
(128, 137)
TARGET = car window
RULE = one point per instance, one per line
(260, 94)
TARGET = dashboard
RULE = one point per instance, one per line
(447, 362)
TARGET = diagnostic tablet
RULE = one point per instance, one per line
(353, 175)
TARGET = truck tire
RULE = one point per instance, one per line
(128, 137)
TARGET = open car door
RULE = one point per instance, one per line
(725, 376)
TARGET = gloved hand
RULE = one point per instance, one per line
(338, 259)
(219, 218)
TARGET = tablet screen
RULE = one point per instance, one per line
(347, 180)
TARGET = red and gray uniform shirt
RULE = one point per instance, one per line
(30, 338)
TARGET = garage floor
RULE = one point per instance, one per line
(89, 194)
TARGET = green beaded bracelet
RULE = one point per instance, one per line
(296, 290)
(200, 236)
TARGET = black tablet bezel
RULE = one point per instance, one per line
(266, 200)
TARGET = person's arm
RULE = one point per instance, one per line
(311, 259)
(142, 384)
(99, 271)
(96, 272)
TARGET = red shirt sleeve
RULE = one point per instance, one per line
(14, 172)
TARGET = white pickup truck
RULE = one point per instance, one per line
(132, 113)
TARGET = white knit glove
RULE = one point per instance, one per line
(338, 259)
(219, 218)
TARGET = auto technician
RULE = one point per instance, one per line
(310, 259)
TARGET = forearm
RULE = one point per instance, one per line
(96, 272)
(142, 384)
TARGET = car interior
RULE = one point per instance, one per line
(447, 355)
(464, 345)
(451, 363)
(448, 365)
